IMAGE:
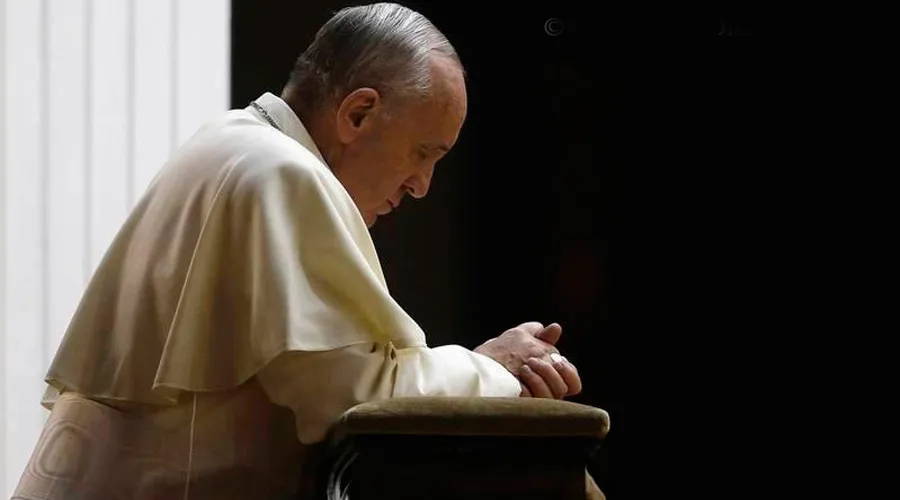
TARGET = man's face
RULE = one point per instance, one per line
(396, 152)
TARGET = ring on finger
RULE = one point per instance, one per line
(557, 357)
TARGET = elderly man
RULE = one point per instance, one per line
(242, 308)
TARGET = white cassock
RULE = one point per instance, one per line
(239, 311)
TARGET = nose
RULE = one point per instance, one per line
(418, 184)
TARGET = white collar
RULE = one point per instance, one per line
(286, 121)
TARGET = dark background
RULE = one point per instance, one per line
(523, 213)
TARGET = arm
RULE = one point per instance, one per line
(314, 285)
(320, 386)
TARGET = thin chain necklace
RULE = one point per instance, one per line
(265, 115)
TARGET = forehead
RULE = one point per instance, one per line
(440, 116)
(448, 85)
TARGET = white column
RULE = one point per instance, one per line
(94, 95)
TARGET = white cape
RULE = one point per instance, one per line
(244, 246)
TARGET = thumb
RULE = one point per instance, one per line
(550, 334)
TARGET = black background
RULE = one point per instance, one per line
(527, 218)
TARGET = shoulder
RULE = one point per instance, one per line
(262, 145)
(258, 155)
(250, 166)
(274, 167)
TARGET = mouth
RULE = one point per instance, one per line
(387, 207)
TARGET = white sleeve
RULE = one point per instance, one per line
(320, 386)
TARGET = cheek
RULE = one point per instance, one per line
(385, 168)
(393, 173)
(380, 181)
(366, 173)
(390, 184)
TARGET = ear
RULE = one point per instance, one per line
(356, 113)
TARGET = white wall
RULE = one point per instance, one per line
(94, 94)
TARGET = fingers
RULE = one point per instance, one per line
(550, 334)
(551, 383)
(568, 372)
(525, 392)
(556, 379)
(531, 327)
(534, 383)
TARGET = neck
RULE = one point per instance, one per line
(315, 125)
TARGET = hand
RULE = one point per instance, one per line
(553, 378)
(528, 352)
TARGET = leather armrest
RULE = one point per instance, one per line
(474, 417)
(474, 448)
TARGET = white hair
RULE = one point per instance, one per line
(384, 46)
